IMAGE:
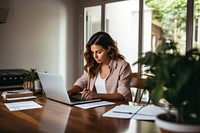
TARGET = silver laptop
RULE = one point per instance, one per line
(54, 88)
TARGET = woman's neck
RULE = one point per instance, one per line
(105, 63)
(105, 71)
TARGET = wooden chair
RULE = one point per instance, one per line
(136, 82)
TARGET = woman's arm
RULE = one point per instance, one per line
(74, 89)
(114, 96)
(79, 85)
(87, 94)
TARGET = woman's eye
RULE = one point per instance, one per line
(98, 52)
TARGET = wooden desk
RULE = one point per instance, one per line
(56, 117)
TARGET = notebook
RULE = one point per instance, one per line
(54, 88)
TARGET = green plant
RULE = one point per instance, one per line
(31, 75)
(176, 79)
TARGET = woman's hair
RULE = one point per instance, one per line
(103, 39)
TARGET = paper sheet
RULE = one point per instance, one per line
(144, 117)
(151, 110)
(122, 111)
(94, 104)
(148, 112)
(22, 105)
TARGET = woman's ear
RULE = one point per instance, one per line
(108, 50)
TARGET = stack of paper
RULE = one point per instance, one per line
(148, 112)
(17, 94)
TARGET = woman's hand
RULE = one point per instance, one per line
(87, 94)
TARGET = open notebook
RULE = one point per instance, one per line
(54, 88)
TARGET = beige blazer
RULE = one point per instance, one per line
(118, 80)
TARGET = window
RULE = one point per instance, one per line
(160, 21)
(168, 22)
(196, 32)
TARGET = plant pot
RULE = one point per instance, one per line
(170, 126)
(37, 86)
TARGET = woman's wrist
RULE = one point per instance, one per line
(69, 92)
(99, 95)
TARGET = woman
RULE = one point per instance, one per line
(107, 75)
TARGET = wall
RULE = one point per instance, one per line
(41, 34)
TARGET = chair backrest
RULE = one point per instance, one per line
(137, 83)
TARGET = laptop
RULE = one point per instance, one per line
(54, 88)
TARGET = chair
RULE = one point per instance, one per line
(136, 82)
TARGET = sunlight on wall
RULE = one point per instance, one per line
(62, 44)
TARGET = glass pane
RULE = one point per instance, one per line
(121, 22)
(92, 21)
(168, 22)
(196, 34)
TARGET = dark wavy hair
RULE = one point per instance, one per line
(103, 39)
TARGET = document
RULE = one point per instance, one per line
(122, 111)
(22, 105)
(148, 112)
(94, 104)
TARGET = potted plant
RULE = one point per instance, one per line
(30, 79)
(177, 80)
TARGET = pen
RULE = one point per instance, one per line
(122, 112)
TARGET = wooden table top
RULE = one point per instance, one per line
(55, 117)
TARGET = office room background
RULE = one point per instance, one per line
(48, 34)
(43, 35)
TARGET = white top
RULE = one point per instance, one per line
(100, 84)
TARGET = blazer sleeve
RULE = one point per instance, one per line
(82, 81)
(124, 82)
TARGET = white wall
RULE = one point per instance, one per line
(41, 34)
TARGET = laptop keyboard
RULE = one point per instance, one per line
(76, 98)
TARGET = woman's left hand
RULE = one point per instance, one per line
(87, 94)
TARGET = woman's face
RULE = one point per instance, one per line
(99, 53)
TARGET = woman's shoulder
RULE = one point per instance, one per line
(123, 66)
(121, 61)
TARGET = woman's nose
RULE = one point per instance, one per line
(95, 55)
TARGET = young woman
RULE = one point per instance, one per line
(107, 75)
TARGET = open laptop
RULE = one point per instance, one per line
(54, 88)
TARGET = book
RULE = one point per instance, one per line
(16, 93)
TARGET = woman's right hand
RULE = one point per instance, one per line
(88, 94)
